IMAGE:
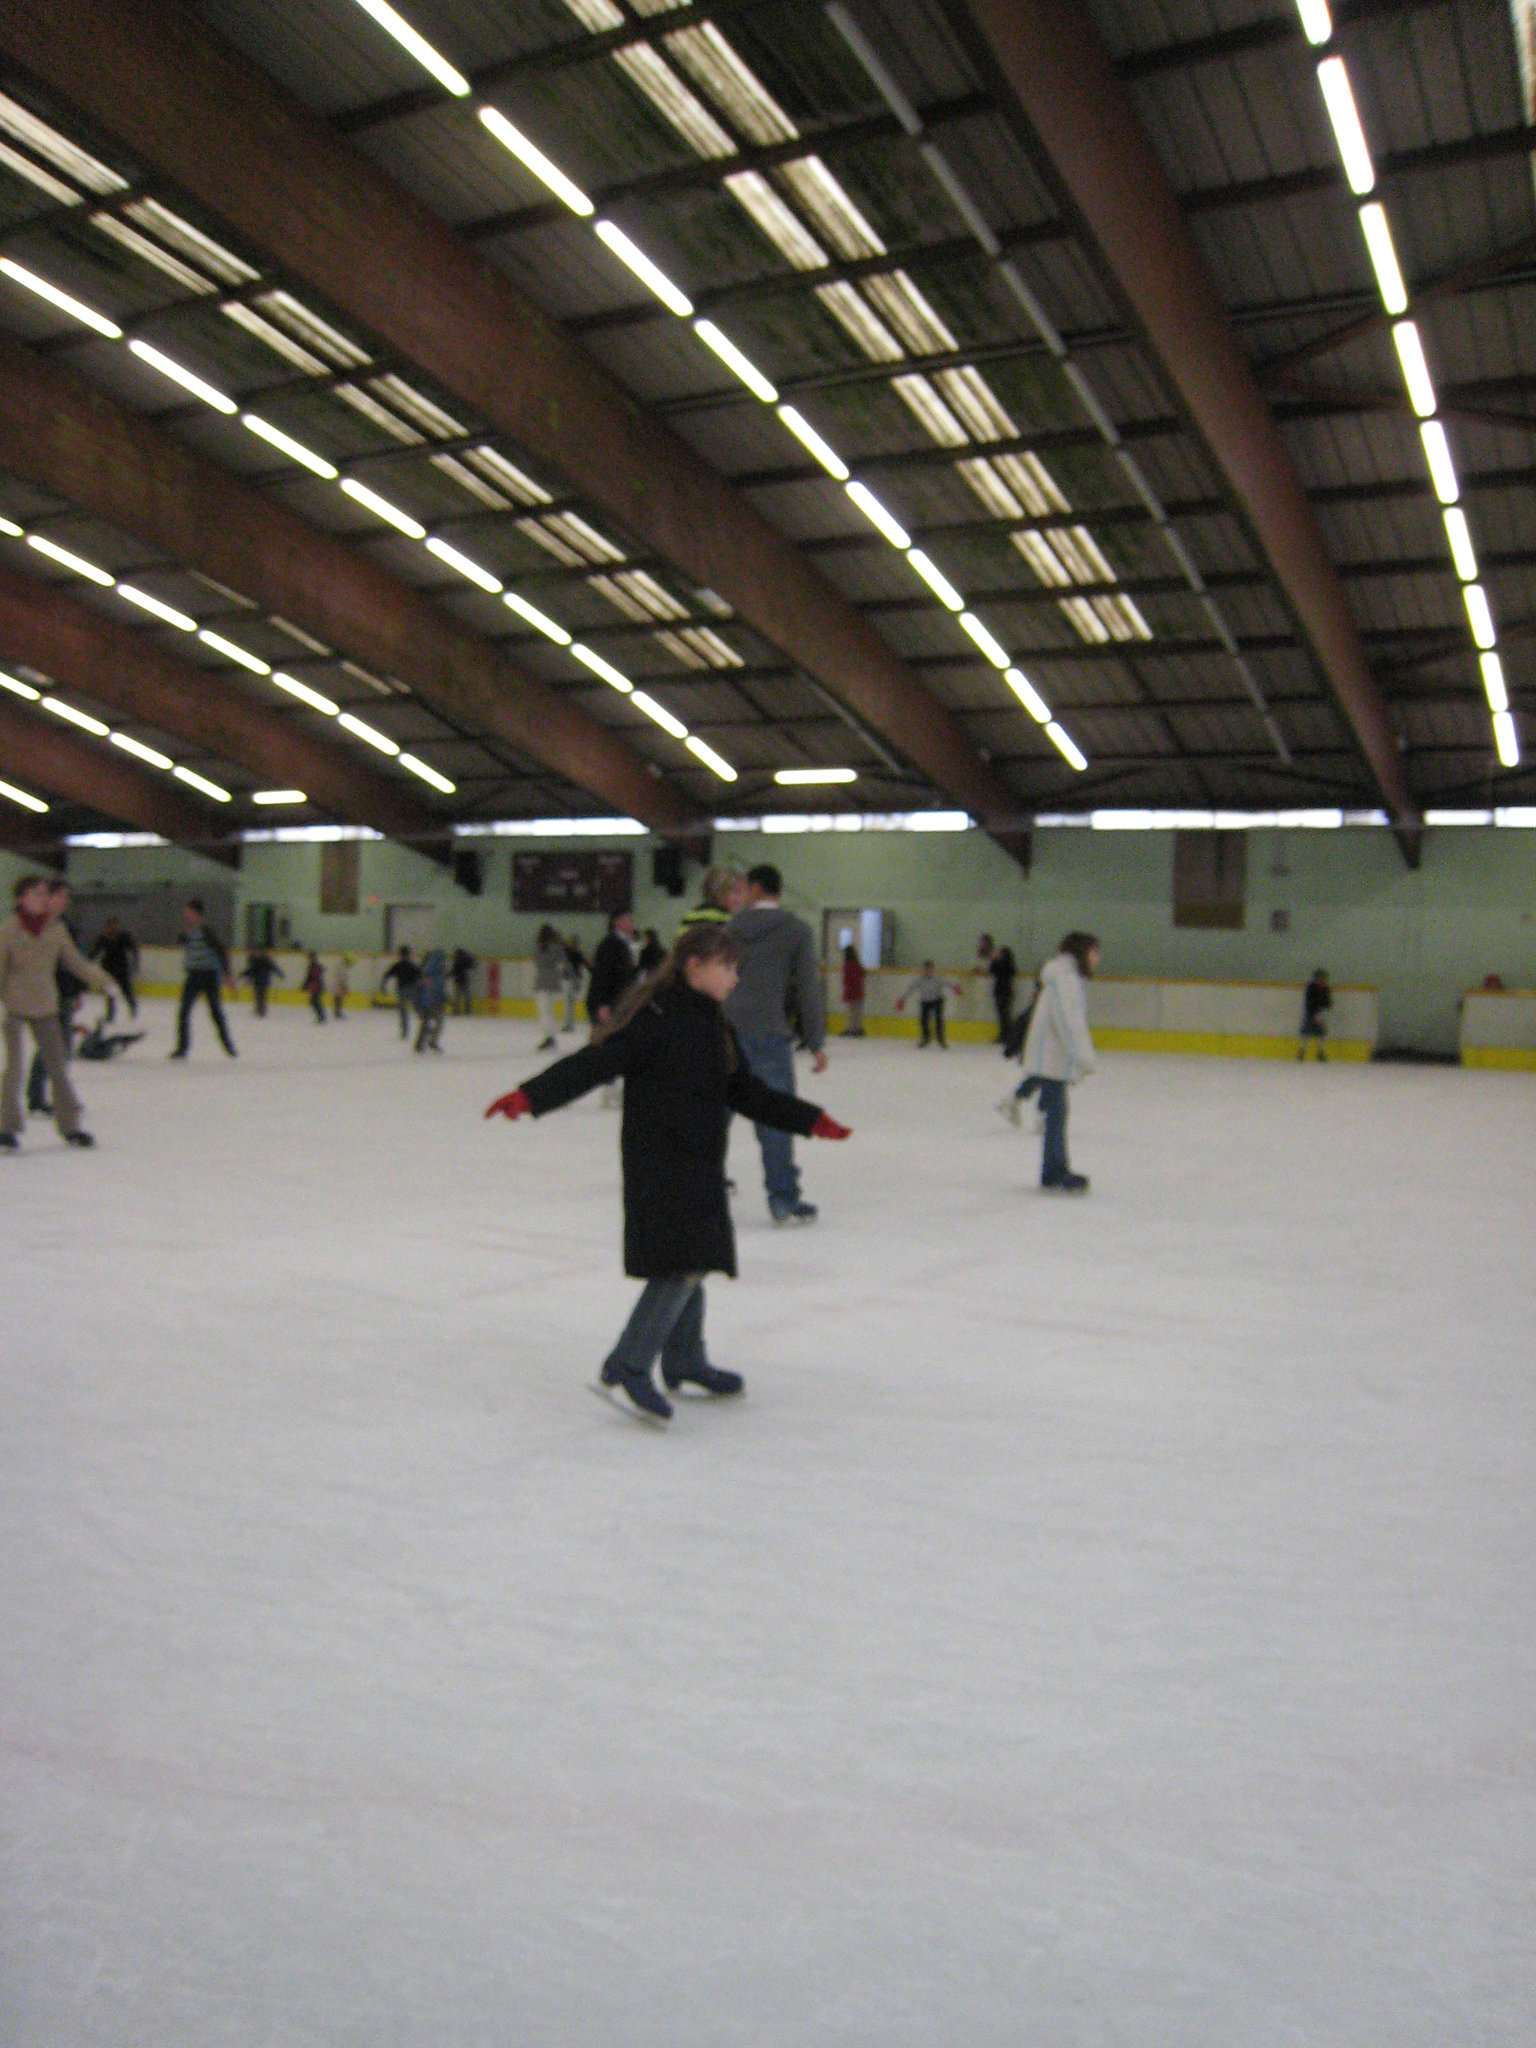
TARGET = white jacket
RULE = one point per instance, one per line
(1059, 1046)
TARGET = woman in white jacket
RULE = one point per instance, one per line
(1059, 1050)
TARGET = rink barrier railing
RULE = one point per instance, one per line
(1221, 1019)
(1498, 1029)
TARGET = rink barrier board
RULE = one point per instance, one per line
(1519, 1059)
(1498, 1028)
(1203, 1044)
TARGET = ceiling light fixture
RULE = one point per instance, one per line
(1442, 470)
(993, 649)
(233, 652)
(278, 796)
(796, 778)
(1507, 740)
(471, 571)
(23, 797)
(286, 445)
(369, 733)
(18, 688)
(1459, 535)
(1316, 21)
(878, 517)
(201, 782)
(1348, 133)
(146, 603)
(179, 374)
(610, 675)
(382, 509)
(1493, 683)
(1410, 353)
(428, 775)
(716, 763)
(66, 560)
(305, 694)
(132, 746)
(936, 580)
(650, 274)
(75, 308)
(1028, 695)
(1066, 746)
(83, 719)
(540, 621)
(532, 158)
(734, 360)
(1378, 240)
(418, 46)
(660, 713)
(810, 440)
(1475, 598)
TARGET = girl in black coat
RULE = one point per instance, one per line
(684, 1076)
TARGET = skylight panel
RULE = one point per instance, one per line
(381, 416)
(466, 479)
(563, 552)
(992, 490)
(678, 647)
(1081, 556)
(318, 334)
(597, 16)
(871, 336)
(280, 344)
(621, 600)
(645, 590)
(1087, 621)
(594, 545)
(151, 252)
(492, 463)
(1028, 475)
(648, 8)
(707, 642)
(1123, 617)
(830, 208)
(24, 126)
(1042, 558)
(920, 398)
(788, 234)
(650, 73)
(735, 89)
(34, 174)
(191, 241)
(415, 407)
(977, 404)
(898, 299)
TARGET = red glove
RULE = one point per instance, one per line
(825, 1128)
(511, 1106)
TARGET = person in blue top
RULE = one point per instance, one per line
(430, 995)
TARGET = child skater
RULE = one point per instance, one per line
(684, 1076)
(929, 988)
(313, 985)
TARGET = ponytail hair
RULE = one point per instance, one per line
(698, 942)
(1080, 945)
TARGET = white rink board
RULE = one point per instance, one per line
(1104, 1622)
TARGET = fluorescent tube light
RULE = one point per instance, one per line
(368, 733)
(877, 516)
(278, 796)
(1521, 816)
(1410, 353)
(938, 821)
(1458, 817)
(382, 509)
(305, 694)
(23, 797)
(75, 308)
(659, 713)
(1475, 598)
(1463, 554)
(650, 274)
(246, 659)
(533, 159)
(1437, 453)
(201, 782)
(713, 761)
(1028, 695)
(78, 563)
(540, 621)
(810, 440)
(1507, 740)
(1378, 240)
(131, 746)
(602, 668)
(936, 580)
(428, 774)
(1493, 683)
(1316, 22)
(146, 603)
(418, 46)
(1347, 131)
(472, 571)
(180, 374)
(795, 778)
(995, 652)
(18, 688)
(286, 445)
(81, 718)
(1066, 746)
(9, 526)
(733, 359)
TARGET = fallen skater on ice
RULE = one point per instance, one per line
(684, 1076)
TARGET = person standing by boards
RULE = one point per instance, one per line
(1059, 1052)
(684, 1076)
(853, 993)
(1316, 1002)
(34, 944)
(313, 986)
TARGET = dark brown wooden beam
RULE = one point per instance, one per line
(42, 627)
(38, 750)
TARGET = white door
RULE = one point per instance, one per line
(410, 924)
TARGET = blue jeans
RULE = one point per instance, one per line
(669, 1319)
(1053, 1104)
(773, 1062)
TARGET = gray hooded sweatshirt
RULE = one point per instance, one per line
(780, 980)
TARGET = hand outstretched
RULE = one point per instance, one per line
(511, 1106)
(824, 1127)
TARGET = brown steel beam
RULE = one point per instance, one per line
(1093, 145)
(38, 750)
(49, 631)
(27, 846)
(153, 75)
(81, 444)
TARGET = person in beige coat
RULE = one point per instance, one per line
(33, 942)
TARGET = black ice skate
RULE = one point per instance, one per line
(633, 1393)
(710, 1379)
(796, 1211)
(1069, 1184)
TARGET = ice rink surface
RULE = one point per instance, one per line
(1104, 1622)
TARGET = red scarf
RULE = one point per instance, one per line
(34, 920)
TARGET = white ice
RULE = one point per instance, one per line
(1104, 1621)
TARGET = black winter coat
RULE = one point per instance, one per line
(613, 969)
(684, 1074)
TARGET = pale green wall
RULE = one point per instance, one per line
(1422, 937)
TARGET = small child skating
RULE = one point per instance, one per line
(930, 990)
(341, 986)
(1316, 1002)
(260, 970)
(685, 1076)
(313, 985)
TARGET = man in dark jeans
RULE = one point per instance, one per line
(780, 980)
(405, 974)
(207, 970)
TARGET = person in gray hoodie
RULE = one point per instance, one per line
(1059, 1050)
(779, 991)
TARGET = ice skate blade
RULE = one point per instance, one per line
(615, 1399)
